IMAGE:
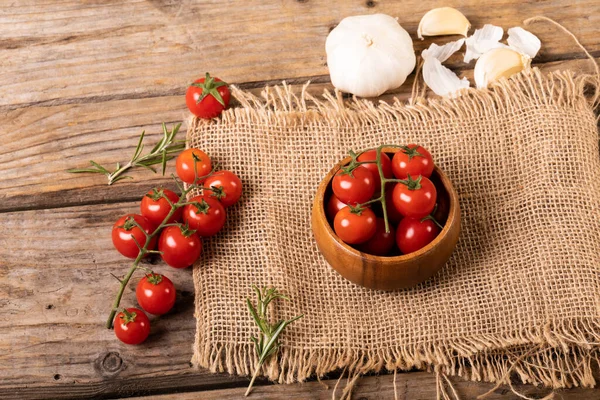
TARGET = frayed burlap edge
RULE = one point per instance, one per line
(558, 354)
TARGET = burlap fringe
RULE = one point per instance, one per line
(559, 354)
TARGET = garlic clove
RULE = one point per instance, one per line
(523, 41)
(482, 41)
(443, 21)
(499, 63)
(440, 79)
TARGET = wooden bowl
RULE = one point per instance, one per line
(390, 272)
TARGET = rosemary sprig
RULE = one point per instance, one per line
(267, 343)
(162, 152)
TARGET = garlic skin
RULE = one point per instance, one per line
(369, 54)
(443, 21)
(499, 63)
(523, 41)
(482, 41)
(440, 79)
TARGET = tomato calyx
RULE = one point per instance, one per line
(358, 209)
(411, 184)
(185, 229)
(432, 218)
(209, 87)
(127, 316)
(217, 191)
(202, 206)
(411, 152)
(129, 224)
(156, 194)
(153, 278)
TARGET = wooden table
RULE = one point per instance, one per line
(80, 80)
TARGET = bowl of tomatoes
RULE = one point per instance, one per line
(386, 218)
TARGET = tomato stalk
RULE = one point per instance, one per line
(381, 199)
(143, 250)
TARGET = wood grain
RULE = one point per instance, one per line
(64, 52)
(80, 81)
(408, 386)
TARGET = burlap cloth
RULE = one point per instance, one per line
(520, 295)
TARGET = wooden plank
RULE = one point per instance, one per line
(64, 52)
(41, 143)
(55, 294)
(408, 386)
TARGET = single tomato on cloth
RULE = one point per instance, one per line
(207, 97)
(206, 217)
(155, 293)
(155, 207)
(353, 186)
(132, 326)
(412, 160)
(386, 166)
(414, 197)
(226, 185)
(180, 246)
(355, 226)
(126, 229)
(185, 165)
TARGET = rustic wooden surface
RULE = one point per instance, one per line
(80, 80)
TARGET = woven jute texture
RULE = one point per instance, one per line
(520, 295)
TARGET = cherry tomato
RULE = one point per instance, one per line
(207, 97)
(333, 206)
(132, 326)
(381, 243)
(416, 198)
(393, 214)
(124, 229)
(180, 246)
(155, 293)
(386, 166)
(228, 187)
(156, 208)
(355, 227)
(412, 160)
(412, 234)
(354, 187)
(206, 220)
(185, 165)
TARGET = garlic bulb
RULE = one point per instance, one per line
(369, 54)
(443, 21)
(499, 63)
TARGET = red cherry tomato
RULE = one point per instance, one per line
(381, 243)
(386, 166)
(132, 326)
(185, 165)
(355, 227)
(412, 160)
(228, 187)
(207, 97)
(354, 187)
(412, 234)
(393, 214)
(156, 208)
(124, 229)
(155, 293)
(206, 220)
(333, 206)
(180, 247)
(416, 198)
